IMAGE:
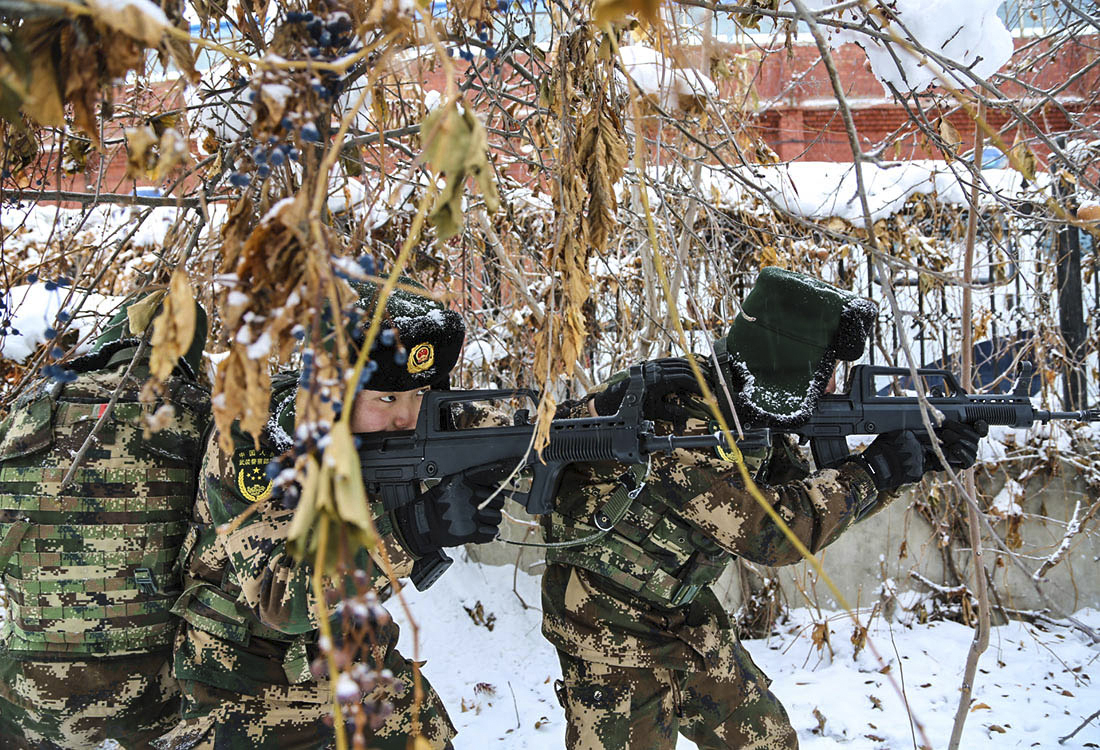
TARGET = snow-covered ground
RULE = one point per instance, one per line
(1034, 686)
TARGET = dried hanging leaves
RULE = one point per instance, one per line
(455, 147)
(150, 156)
(59, 59)
(272, 261)
(174, 327)
(592, 159)
(332, 491)
(608, 11)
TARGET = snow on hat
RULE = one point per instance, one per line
(418, 343)
(783, 346)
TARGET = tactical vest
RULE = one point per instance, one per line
(92, 567)
(650, 550)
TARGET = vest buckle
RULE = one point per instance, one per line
(685, 593)
(145, 582)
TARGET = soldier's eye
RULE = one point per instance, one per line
(422, 392)
(389, 398)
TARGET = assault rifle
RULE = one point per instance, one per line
(862, 411)
(395, 463)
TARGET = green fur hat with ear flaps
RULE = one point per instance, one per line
(783, 346)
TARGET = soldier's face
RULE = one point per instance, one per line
(385, 411)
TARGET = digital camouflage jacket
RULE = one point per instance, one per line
(247, 602)
(640, 595)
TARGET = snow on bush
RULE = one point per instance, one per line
(969, 33)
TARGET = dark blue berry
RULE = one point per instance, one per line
(490, 53)
(309, 133)
(502, 6)
(387, 337)
(263, 170)
(325, 38)
(64, 281)
(401, 356)
(63, 316)
(286, 124)
(277, 158)
(259, 154)
(50, 333)
(482, 36)
(366, 262)
(274, 466)
(57, 352)
(50, 286)
(240, 180)
(293, 154)
(32, 277)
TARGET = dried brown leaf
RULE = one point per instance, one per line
(174, 327)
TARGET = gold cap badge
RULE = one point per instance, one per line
(421, 358)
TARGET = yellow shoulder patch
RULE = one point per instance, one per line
(252, 479)
(421, 358)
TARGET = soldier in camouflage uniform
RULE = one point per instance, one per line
(646, 649)
(251, 627)
(89, 567)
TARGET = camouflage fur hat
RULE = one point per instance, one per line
(783, 346)
(418, 343)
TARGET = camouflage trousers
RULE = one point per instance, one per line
(628, 708)
(297, 717)
(77, 704)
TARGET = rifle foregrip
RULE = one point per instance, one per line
(828, 452)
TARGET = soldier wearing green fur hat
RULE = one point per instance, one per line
(646, 649)
(251, 627)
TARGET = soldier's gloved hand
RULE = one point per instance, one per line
(960, 445)
(448, 515)
(894, 459)
(662, 377)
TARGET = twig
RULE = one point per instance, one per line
(70, 196)
(515, 705)
(1071, 531)
(1062, 740)
(94, 434)
(980, 641)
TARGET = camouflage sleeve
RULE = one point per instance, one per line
(710, 494)
(786, 463)
(275, 586)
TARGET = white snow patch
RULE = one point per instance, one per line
(1024, 673)
(968, 33)
(654, 75)
(33, 309)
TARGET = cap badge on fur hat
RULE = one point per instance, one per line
(421, 358)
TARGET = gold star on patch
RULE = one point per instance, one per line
(252, 478)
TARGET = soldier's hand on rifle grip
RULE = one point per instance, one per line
(448, 514)
(894, 459)
(662, 378)
(959, 442)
